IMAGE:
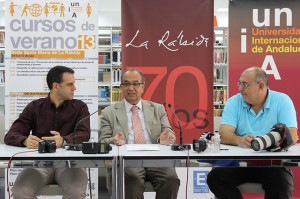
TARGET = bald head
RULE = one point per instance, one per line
(259, 74)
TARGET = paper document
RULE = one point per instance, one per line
(142, 147)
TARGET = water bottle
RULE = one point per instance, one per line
(216, 141)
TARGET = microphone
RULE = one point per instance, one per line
(180, 146)
(74, 146)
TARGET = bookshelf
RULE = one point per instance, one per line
(220, 70)
(2, 56)
(2, 83)
(109, 65)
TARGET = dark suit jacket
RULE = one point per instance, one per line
(114, 120)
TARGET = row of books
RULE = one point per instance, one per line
(105, 76)
(2, 55)
(116, 38)
(104, 57)
(218, 112)
(2, 76)
(105, 94)
(2, 38)
(117, 57)
(104, 41)
(116, 94)
(220, 96)
(220, 56)
(218, 75)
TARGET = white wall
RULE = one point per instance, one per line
(222, 19)
(109, 18)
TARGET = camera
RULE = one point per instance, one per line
(279, 138)
(95, 147)
(199, 145)
(47, 146)
(207, 140)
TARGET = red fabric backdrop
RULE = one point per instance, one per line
(251, 27)
(171, 41)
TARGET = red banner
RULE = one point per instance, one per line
(171, 41)
(265, 33)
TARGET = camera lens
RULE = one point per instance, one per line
(262, 142)
(255, 145)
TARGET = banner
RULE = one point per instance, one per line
(265, 33)
(173, 46)
(44, 34)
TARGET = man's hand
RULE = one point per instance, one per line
(56, 136)
(32, 142)
(245, 141)
(167, 138)
(119, 139)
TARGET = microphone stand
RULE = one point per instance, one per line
(180, 146)
(74, 146)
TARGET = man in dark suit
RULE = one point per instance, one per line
(118, 127)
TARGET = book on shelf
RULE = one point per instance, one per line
(220, 96)
(106, 76)
(2, 76)
(2, 55)
(218, 75)
(103, 74)
(116, 38)
(117, 76)
(218, 111)
(117, 57)
(2, 38)
(116, 94)
(224, 96)
(220, 56)
(103, 93)
(103, 58)
(104, 41)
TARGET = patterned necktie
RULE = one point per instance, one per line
(138, 132)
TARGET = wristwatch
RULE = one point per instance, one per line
(158, 140)
(64, 143)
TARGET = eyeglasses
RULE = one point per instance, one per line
(244, 84)
(128, 84)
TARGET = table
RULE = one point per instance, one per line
(61, 158)
(120, 157)
(165, 157)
